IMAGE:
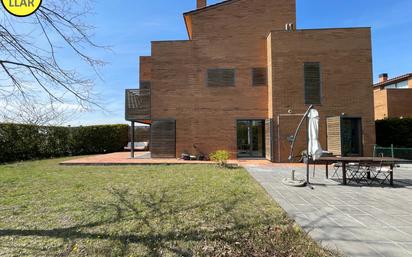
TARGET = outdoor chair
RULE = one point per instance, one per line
(381, 173)
(138, 146)
(336, 167)
(357, 172)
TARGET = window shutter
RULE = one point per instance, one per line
(312, 83)
(259, 76)
(221, 77)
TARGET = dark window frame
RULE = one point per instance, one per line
(221, 86)
(263, 139)
(254, 77)
(305, 81)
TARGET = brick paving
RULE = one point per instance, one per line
(357, 220)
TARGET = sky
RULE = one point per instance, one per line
(129, 28)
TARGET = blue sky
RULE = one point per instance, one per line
(129, 27)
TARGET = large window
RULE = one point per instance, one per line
(251, 138)
(221, 77)
(259, 76)
(313, 84)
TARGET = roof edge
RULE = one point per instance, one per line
(395, 79)
(209, 7)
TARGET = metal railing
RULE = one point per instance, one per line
(138, 104)
(395, 152)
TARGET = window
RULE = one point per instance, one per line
(402, 84)
(259, 76)
(221, 77)
(313, 89)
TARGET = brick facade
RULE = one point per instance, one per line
(393, 102)
(346, 71)
(247, 34)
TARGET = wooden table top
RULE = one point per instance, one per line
(364, 159)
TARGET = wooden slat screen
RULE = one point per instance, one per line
(334, 135)
(259, 76)
(221, 77)
(313, 83)
(163, 139)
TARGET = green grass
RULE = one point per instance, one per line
(52, 210)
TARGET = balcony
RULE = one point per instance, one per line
(138, 105)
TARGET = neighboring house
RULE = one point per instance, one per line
(245, 77)
(393, 97)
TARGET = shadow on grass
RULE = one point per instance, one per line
(144, 209)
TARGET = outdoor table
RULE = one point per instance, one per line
(372, 160)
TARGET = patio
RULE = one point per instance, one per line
(360, 221)
(123, 158)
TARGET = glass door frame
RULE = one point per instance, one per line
(250, 121)
(360, 131)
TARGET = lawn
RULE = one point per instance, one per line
(191, 210)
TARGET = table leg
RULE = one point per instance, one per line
(391, 175)
(327, 170)
(307, 172)
(344, 173)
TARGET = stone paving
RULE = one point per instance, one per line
(356, 220)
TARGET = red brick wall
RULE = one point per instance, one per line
(145, 68)
(399, 103)
(346, 70)
(234, 36)
(381, 104)
(230, 36)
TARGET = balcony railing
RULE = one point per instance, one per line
(138, 104)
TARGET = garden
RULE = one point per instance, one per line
(187, 210)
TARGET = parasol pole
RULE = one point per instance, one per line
(292, 148)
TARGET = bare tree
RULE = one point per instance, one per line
(33, 112)
(31, 56)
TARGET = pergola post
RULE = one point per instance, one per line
(132, 141)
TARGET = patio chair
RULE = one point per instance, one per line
(381, 173)
(336, 167)
(357, 172)
(138, 146)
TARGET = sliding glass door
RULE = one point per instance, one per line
(351, 130)
(251, 138)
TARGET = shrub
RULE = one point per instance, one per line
(394, 131)
(25, 142)
(221, 157)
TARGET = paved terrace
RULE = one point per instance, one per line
(123, 158)
(359, 221)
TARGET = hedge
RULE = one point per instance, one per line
(26, 142)
(394, 131)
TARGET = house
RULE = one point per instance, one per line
(244, 78)
(393, 97)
